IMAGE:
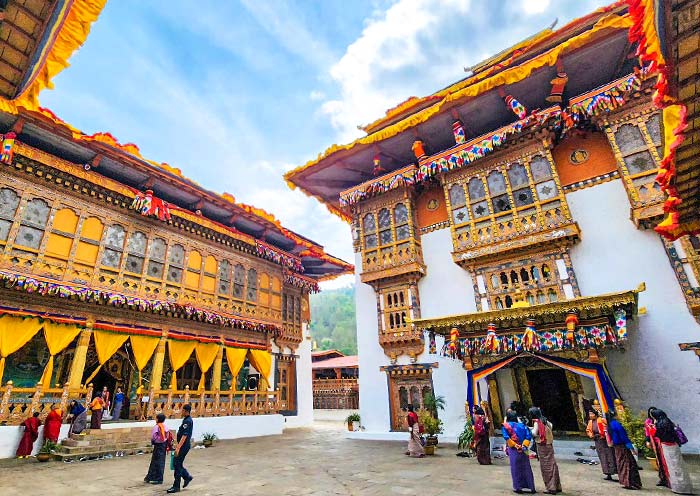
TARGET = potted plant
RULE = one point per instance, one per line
(208, 439)
(434, 403)
(432, 427)
(353, 421)
(48, 449)
(466, 438)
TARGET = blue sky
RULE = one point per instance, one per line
(235, 93)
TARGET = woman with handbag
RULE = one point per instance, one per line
(161, 439)
(671, 438)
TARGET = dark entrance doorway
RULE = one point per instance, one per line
(549, 390)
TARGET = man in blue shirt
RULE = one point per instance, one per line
(184, 435)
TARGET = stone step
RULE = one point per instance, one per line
(94, 454)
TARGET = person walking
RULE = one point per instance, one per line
(415, 448)
(518, 439)
(543, 437)
(96, 408)
(627, 470)
(675, 470)
(597, 430)
(30, 435)
(159, 440)
(118, 403)
(184, 436)
(654, 443)
(482, 443)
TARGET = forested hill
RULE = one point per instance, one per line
(333, 320)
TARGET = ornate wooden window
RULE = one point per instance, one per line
(113, 246)
(33, 223)
(264, 296)
(60, 240)
(538, 279)
(225, 278)
(401, 224)
(9, 201)
(252, 293)
(238, 282)
(89, 242)
(209, 276)
(176, 261)
(136, 252)
(507, 200)
(638, 146)
(284, 308)
(276, 293)
(396, 310)
(194, 270)
(156, 258)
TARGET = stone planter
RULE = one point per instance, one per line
(355, 425)
(350, 427)
(654, 464)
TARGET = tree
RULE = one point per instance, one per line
(333, 320)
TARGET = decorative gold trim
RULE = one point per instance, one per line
(586, 307)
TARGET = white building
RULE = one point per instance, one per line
(523, 196)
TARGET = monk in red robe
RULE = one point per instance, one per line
(31, 433)
(52, 424)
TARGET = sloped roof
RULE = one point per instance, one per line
(344, 362)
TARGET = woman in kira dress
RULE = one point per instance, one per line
(518, 439)
(627, 470)
(415, 448)
(29, 436)
(675, 471)
(52, 424)
(544, 438)
(597, 430)
(159, 440)
(96, 408)
(78, 415)
(482, 443)
(654, 443)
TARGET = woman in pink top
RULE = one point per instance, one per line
(159, 440)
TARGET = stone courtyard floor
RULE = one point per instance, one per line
(318, 461)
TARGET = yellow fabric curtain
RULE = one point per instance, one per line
(206, 354)
(262, 361)
(106, 345)
(179, 352)
(15, 332)
(143, 348)
(58, 337)
(235, 358)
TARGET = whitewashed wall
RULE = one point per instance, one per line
(446, 289)
(224, 427)
(374, 389)
(616, 256)
(305, 400)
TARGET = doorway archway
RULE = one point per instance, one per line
(605, 390)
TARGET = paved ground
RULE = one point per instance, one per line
(318, 462)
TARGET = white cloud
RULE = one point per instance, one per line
(317, 96)
(531, 7)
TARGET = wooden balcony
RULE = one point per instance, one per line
(19, 403)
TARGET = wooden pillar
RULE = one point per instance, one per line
(77, 367)
(495, 401)
(158, 358)
(216, 373)
(338, 374)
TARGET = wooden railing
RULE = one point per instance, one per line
(336, 394)
(208, 403)
(19, 403)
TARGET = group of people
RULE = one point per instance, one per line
(533, 434)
